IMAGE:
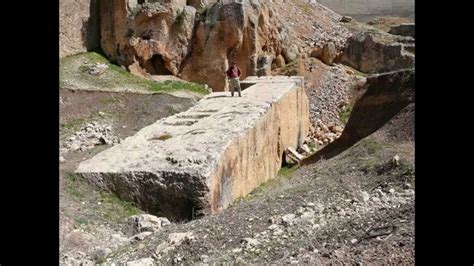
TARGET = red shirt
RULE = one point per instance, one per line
(233, 72)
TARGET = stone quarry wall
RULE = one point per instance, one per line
(170, 37)
(376, 53)
(371, 7)
(78, 26)
(199, 161)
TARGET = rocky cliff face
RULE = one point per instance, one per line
(78, 26)
(377, 52)
(238, 32)
(150, 38)
(173, 37)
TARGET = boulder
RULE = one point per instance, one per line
(317, 52)
(290, 53)
(407, 29)
(329, 53)
(376, 53)
(346, 19)
(264, 65)
(146, 223)
(280, 61)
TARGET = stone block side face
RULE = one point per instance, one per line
(256, 157)
(78, 26)
(178, 196)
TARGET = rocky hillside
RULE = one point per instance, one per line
(356, 207)
(192, 43)
(384, 97)
(195, 40)
(189, 42)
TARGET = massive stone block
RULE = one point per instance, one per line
(376, 52)
(199, 161)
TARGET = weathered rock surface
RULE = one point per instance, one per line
(146, 223)
(153, 37)
(317, 52)
(141, 262)
(290, 53)
(167, 37)
(197, 3)
(407, 29)
(346, 19)
(89, 136)
(78, 26)
(197, 162)
(329, 53)
(376, 53)
(280, 61)
(329, 99)
(231, 31)
(264, 65)
(385, 95)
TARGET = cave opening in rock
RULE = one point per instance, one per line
(156, 66)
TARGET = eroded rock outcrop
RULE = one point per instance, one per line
(78, 26)
(384, 97)
(170, 37)
(197, 162)
(151, 38)
(239, 32)
(407, 29)
(371, 52)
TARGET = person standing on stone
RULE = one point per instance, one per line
(233, 74)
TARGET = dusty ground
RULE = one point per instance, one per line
(310, 26)
(128, 111)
